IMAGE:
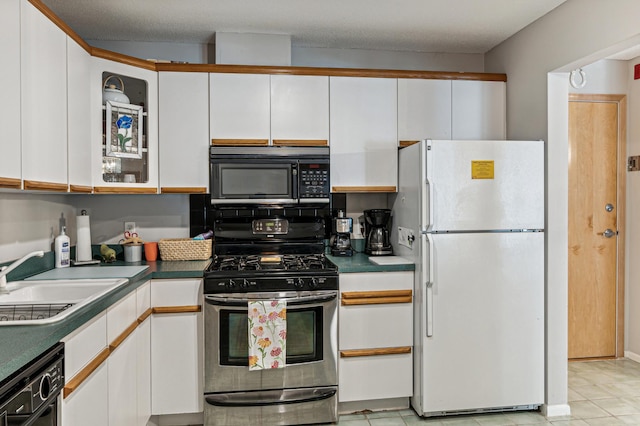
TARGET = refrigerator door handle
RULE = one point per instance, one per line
(428, 299)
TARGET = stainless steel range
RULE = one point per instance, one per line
(270, 255)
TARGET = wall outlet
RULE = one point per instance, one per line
(130, 226)
(405, 237)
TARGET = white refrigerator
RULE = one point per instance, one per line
(470, 214)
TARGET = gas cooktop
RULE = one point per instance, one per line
(254, 273)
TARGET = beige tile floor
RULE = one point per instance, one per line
(600, 393)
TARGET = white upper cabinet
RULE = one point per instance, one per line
(183, 131)
(10, 170)
(240, 108)
(79, 116)
(424, 110)
(364, 132)
(131, 167)
(299, 110)
(478, 110)
(44, 101)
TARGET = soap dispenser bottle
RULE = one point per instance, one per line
(62, 249)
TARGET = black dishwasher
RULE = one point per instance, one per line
(29, 397)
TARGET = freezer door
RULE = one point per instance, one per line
(480, 185)
(484, 346)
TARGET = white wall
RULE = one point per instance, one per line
(383, 59)
(577, 33)
(182, 52)
(632, 295)
(308, 57)
(30, 221)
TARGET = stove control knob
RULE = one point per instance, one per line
(314, 283)
(244, 284)
(299, 284)
(231, 284)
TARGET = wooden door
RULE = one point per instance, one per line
(596, 207)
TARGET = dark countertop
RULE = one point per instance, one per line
(360, 262)
(23, 343)
(20, 344)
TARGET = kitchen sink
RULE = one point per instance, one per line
(48, 301)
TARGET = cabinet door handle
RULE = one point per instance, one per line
(353, 353)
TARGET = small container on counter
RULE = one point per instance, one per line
(132, 252)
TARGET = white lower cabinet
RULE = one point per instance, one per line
(87, 404)
(123, 409)
(117, 391)
(176, 347)
(375, 336)
(143, 353)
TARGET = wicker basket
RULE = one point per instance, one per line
(184, 249)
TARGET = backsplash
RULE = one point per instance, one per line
(30, 221)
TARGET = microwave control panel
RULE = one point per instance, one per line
(314, 180)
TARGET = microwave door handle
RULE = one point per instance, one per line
(295, 183)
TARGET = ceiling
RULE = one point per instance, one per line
(436, 26)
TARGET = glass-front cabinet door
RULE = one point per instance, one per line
(125, 154)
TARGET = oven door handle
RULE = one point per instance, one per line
(272, 397)
(291, 301)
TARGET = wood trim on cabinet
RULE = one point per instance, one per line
(240, 142)
(123, 59)
(10, 183)
(176, 309)
(364, 189)
(352, 353)
(123, 190)
(183, 190)
(60, 23)
(75, 382)
(84, 374)
(121, 338)
(81, 189)
(146, 314)
(404, 144)
(45, 186)
(300, 142)
(376, 294)
(332, 72)
(353, 298)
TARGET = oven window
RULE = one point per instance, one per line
(304, 336)
(252, 181)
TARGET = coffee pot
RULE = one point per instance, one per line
(377, 232)
(341, 239)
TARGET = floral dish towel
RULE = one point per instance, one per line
(267, 334)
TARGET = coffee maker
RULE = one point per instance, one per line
(341, 239)
(377, 232)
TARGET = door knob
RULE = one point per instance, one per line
(609, 207)
(608, 233)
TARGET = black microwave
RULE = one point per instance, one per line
(282, 176)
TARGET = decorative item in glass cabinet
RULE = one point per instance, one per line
(124, 131)
(112, 93)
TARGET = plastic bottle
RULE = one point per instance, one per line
(204, 236)
(62, 246)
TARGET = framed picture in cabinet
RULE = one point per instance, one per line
(124, 130)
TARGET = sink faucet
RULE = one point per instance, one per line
(6, 269)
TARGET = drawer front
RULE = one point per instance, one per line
(376, 281)
(375, 377)
(375, 326)
(143, 299)
(84, 344)
(184, 292)
(121, 316)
